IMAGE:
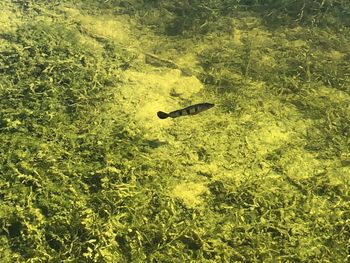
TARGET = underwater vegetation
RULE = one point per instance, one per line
(89, 173)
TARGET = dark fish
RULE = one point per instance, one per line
(190, 110)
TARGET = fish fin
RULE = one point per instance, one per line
(162, 115)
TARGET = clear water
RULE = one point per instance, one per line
(89, 173)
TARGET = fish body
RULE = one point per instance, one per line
(190, 110)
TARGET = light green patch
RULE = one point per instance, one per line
(273, 134)
(190, 193)
(300, 165)
(299, 43)
(336, 55)
(206, 169)
(117, 30)
(188, 60)
(268, 61)
(92, 43)
(9, 18)
(147, 93)
(237, 37)
(235, 173)
(102, 26)
(260, 36)
(268, 138)
(339, 177)
(335, 95)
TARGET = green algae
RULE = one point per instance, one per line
(90, 174)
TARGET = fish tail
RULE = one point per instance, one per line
(162, 115)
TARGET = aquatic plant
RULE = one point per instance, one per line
(264, 176)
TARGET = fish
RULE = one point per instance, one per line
(190, 110)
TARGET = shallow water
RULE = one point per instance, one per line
(89, 173)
